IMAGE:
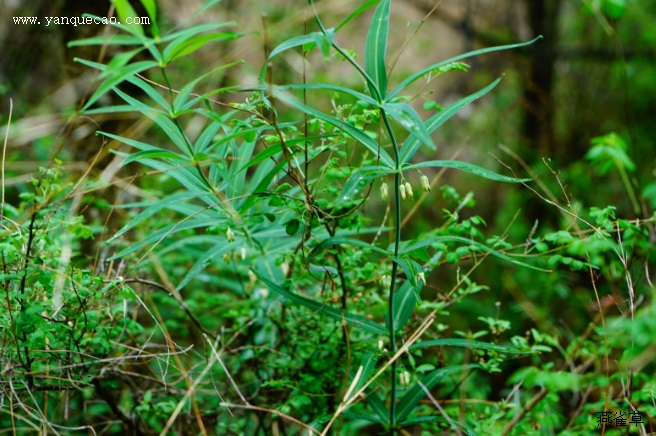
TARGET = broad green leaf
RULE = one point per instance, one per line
(349, 129)
(427, 70)
(436, 239)
(352, 320)
(405, 300)
(467, 343)
(291, 228)
(375, 48)
(467, 167)
(411, 145)
(410, 400)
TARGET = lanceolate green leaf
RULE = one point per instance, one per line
(414, 395)
(154, 154)
(312, 38)
(467, 343)
(106, 40)
(218, 250)
(375, 48)
(368, 365)
(183, 35)
(405, 115)
(116, 78)
(178, 49)
(435, 239)
(330, 87)
(411, 145)
(467, 167)
(405, 301)
(169, 128)
(349, 129)
(155, 208)
(376, 403)
(356, 13)
(427, 70)
(352, 320)
(164, 232)
(125, 11)
(359, 180)
(344, 240)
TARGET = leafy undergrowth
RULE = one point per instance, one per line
(270, 275)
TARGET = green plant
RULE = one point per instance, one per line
(292, 260)
(304, 185)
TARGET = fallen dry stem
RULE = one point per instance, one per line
(346, 403)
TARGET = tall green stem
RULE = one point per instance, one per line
(397, 242)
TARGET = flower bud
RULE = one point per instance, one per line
(421, 277)
(386, 281)
(384, 195)
(230, 235)
(402, 189)
(243, 253)
(381, 345)
(425, 183)
(404, 378)
(408, 189)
